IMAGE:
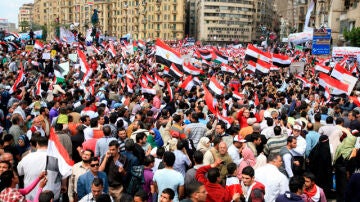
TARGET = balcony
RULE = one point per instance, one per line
(144, 12)
(174, 12)
(144, 21)
(137, 7)
(157, 11)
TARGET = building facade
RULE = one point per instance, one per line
(343, 15)
(25, 16)
(142, 19)
(229, 21)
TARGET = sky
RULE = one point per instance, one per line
(10, 9)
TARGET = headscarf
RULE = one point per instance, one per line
(202, 146)
(23, 149)
(248, 160)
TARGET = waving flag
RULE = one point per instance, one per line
(306, 83)
(168, 87)
(112, 50)
(338, 72)
(130, 86)
(188, 83)
(263, 67)
(141, 44)
(238, 95)
(190, 69)
(160, 81)
(254, 54)
(145, 89)
(37, 89)
(209, 100)
(219, 57)
(327, 94)
(205, 54)
(251, 66)
(215, 86)
(38, 45)
(227, 68)
(56, 153)
(85, 70)
(175, 72)
(166, 55)
(19, 79)
(322, 68)
(281, 60)
(336, 87)
(59, 77)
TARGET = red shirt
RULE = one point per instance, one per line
(215, 191)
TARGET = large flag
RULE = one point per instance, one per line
(190, 69)
(338, 72)
(141, 44)
(281, 60)
(112, 49)
(168, 87)
(188, 83)
(215, 86)
(227, 68)
(160, 81)
(263, 67)
(255, 54)
(306, 83)
(57, 154)
(238, 95)
(335, 86)
(322, 68)
(130, 86)
(37, 89)
(85, 70)
(209, 101)
(219, 57)
(19, 79)
(38, 45)
(251, 66)
(205, 54)
(175, 72)
(59, 77)
(166, 55)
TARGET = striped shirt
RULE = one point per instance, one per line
(274, 144)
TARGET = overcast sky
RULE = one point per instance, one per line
(10, 9)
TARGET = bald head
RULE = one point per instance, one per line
(310, 126)
(222, 148)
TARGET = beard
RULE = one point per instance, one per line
(86, 161)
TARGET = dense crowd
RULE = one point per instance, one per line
(135, 132)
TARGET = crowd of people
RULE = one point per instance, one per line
(280, 140)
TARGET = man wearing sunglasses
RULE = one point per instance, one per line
(85, 180)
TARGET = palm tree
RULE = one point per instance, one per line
(24, 25)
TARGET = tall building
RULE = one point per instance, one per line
(343, 15)
(6, 25)
(25, 16)
(142, 19)
(227, 21)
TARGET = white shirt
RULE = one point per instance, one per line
(234, 154)
(88, 133)
(300, 147)
(275, 182)
(31, 166)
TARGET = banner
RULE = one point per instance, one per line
(307, 18)
(301, 37)
(65, 68)
(345, 51)
(25, 36)
(66, 35)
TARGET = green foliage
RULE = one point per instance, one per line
(24, 25)
(353, 36)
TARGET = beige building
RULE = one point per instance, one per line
(142, 19)
(25, 16)
(343, 15)
(228, 21)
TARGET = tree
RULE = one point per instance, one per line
(353, 36)
(24, 25)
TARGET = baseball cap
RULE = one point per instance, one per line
(238, 138)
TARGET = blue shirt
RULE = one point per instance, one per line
(85, 180)
(312, 138)
(181, 161)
